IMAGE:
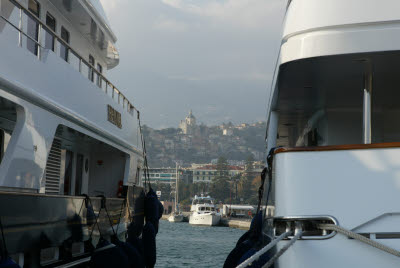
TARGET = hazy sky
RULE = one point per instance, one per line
(215, 57)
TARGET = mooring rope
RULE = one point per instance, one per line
(257, 255)
(146, 166)
(283, 250)
(123, 206)
(363, 239)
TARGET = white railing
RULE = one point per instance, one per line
(73, 58)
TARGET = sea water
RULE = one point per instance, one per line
(185, 245)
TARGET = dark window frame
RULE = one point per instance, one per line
(33, 27)
(92, 62)
(66, 37)
(99, 79)
(49, 36)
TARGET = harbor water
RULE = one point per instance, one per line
(184, 245)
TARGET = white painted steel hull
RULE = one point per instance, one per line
(362, 195)
(175, 218)
(204, 219)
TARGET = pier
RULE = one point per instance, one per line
(243, 224)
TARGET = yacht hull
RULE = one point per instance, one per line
(204, 219)
(175, 218)
(33, 222)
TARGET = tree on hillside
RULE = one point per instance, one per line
(246, 189)
(222, 168)
(220, 186)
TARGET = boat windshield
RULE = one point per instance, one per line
(203, 201)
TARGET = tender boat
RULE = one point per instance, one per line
(70, 144)
(204, 212)
(334, 113)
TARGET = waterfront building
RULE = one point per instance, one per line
(207, 173)
(168, 175)
(161, 175)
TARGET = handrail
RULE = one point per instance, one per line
(92, 68)
(32, 39)
(339, 147)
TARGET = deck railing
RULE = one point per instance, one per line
(73, 57)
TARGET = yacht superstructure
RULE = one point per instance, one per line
(333, 111)
(69, 139)
(204, 212)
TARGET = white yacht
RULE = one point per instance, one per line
(65, 131)
(176, 215)
(204, 212)
(334, 112)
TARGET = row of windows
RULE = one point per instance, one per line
(213, 172)
(33, 31)
(202, 178)
(204, 173)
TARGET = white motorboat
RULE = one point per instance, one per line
(67, 134)
(204, 212)
(334, 111)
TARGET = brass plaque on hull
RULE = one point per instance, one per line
(114, 116)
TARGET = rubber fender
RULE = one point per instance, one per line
(152, 209)
(111, 257)
(149, 245)
(135, 258)
(8, 263)
(248, 243)
(135, 229)
(236, 254)
(137, 243)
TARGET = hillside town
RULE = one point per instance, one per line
(224, 161)
(197, 143)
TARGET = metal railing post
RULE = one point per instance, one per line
(367, 108)
(39, 40)
(20, 27)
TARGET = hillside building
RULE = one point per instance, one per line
(188, 126)
(207, 173)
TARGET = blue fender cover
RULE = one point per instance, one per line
(111, 257)
(135, 258)
(236, 254)
(8, 263)
(149, 245)
(153, 209)
(137, 243)
(248, 244)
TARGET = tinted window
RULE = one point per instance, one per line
(33, 27)
(91, 72)
(63, 48)
(51, 23)
(100, 70)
